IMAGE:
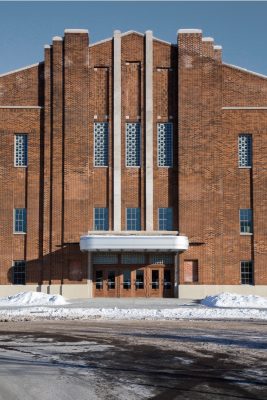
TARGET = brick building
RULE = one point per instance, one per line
(133, 167)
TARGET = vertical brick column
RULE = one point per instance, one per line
(149, 130)
(201, 157)
(47, 164)
(76, 154)
(117, 131)
(57, 152)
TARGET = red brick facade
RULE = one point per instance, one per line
(209, 103)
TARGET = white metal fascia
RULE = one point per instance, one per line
(27, 107)
(100, 42)
(244, 108)
(21, 69)
(131, 32)
(133, 243)
(245, 70)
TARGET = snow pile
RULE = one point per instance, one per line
(235, 301)
(32, 299)
(73, 313)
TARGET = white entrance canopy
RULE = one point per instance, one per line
(94, 242)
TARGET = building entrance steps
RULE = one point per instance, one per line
(131, 303)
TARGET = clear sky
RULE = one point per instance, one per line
(240, 27)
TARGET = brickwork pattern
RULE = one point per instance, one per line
(61, 186)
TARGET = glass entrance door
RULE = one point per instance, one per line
(155, 284)
(126, 283)
(140, 282)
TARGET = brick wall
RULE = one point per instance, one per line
(61, 186)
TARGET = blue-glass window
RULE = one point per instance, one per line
(101, 219)
(245, 150)
(245, 215)
(20, 220)
(133, 144)
(133, 219)
(101, 144)
(165, 144)
(21, 150)
(165, 219)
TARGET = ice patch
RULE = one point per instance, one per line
(235, 301)
(32, 299)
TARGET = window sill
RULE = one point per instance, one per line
(245, 167)
(21, 166)
(19, 233)
(246, 233)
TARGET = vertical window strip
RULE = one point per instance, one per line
(20, 220)
(133, 144)
(245, 150)
(247, 277)
(101, 144)
(19, 272)
(245, 217)
(165, 144)
(133, 219)
(21, 150)
(101, 219)
(165, 219)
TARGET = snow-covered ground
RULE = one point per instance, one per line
(35, 306)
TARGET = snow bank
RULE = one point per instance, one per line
(192, 313)
(32, 299)
(235, 301)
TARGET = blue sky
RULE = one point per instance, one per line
(240, 27)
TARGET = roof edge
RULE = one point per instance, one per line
(245, 70)
(21, 69)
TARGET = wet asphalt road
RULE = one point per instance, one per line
(165, 360)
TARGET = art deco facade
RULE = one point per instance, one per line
(133, 167)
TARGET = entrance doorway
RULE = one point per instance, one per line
(133, 281)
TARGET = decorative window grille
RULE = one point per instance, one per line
(161, 259)
(21, 150)
(133, 144)
(105, 258)
(20, 220)
(19, 273)
(101, 144)
(101, 219)
(133, 218)
(132, 258)
(165, 144)
(245, 150)
(245, 216)
(165, 219)
(247, 272)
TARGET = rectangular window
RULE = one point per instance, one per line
(105, 258)
(133, 218)
(21, 150)
(165, 219)
(133, 144)
(132, 258)
(165, 144)
(101, 144)
(245, 150)
(101, 219)
(20, 220)
(246, 272)
(245, 216)
(161, 259)
(19, 273)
